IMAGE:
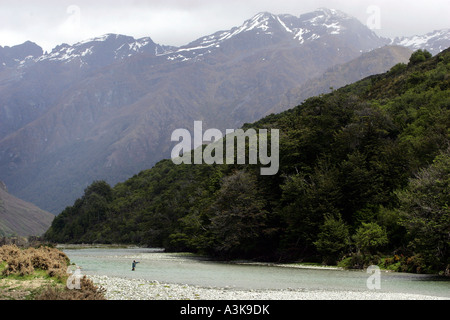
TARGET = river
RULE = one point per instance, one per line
(172, 268)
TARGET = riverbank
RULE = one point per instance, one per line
(138, 289)
(40, 274)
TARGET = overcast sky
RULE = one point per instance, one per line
(178, 22)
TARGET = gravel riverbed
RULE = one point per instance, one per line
(136, 289)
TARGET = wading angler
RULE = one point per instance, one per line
(236, 144)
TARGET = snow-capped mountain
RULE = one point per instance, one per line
(16, 55)
(434, 42)
(104, 50)
(266, 29)
(104, 108)
(263, 30)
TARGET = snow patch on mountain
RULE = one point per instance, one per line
(108, 48)
(435, 42)
(307, 27)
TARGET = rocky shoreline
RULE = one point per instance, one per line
(136, 289)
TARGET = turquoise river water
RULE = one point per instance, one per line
(171, 268)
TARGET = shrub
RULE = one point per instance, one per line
(7, 251)
(416, 264)
(333, 240)
(370, 237)
(25, 261)
(359, 261)
(393, 263)
(88, 291)
(397, 69)
(19, 264)
(419, 56)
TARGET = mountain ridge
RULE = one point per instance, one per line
(434, 42)
(323, 18)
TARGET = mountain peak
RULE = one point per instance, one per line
(262, 21)
(435, 42)
(332, 13)
(13, 56)
(109, 37)
(103, 50)
(265, 29)
(323, 16)
(262, 17)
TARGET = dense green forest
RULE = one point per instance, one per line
(364, 179)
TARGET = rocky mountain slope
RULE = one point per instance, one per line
(374, 62)
(14, 56)
(21, 218)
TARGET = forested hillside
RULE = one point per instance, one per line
(364, 178)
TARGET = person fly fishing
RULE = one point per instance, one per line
(134, 265)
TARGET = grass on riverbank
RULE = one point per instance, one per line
(40, 274)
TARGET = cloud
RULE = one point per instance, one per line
(177, 22)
